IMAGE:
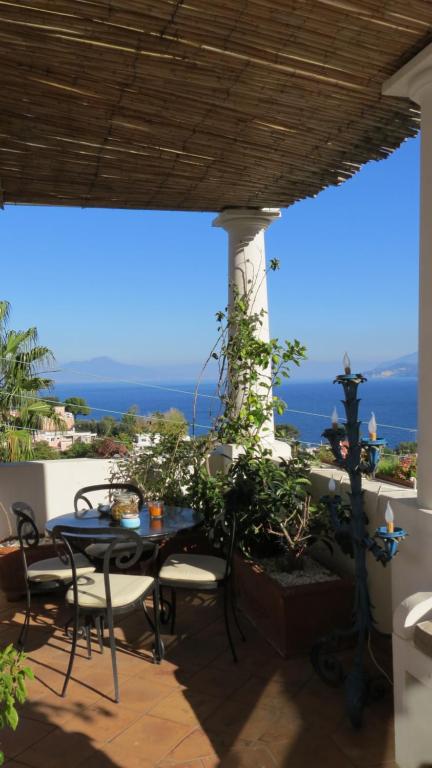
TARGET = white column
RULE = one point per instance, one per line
(414, 81)
(247, 268)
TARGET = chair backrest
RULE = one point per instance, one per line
(81, 496)
(27, 532)
(225, 528)
(64, 536)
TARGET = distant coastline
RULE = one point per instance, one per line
(310, 403)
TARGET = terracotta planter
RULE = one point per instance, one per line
(291, 618)
(11, 568)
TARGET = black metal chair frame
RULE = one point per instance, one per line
(228, 523)
(63, 536)
(29, 538)
(80, 495)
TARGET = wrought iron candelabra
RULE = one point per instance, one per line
(357, 456)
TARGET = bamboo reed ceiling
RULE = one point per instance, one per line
(198, 104)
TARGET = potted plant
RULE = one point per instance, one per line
(276, 521)
(288, 595)
(13, 675)
(401, 470)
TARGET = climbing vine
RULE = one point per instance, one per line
(249, 369)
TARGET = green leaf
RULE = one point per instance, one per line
(11, 716)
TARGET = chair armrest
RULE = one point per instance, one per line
(410, 612)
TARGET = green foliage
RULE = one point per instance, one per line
(406, 447)
(21, 410)
(274, 510)
(248, 370)
(107, 426)
(79, 451)
(170, 422)
(129, 424)
(165, 468)
(324, 455)
(287, 432)
(13, 676)
(43, 451)
(89, 425)
(398, 468)
(77, 405)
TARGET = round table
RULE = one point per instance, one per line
(174, 519)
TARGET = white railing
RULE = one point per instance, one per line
(48, 486)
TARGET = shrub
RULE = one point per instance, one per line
(13, 674)
(78, 451)
(109, 448)
(43, 451)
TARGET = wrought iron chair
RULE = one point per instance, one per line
(98, 598)
(51, 570)
(206, 572)
(96, 549)
(81, 495)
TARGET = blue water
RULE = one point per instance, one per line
(394, 402)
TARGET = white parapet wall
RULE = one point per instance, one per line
(411, 570)
(48, 486)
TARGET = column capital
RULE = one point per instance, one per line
(250, 220)
(414, 79)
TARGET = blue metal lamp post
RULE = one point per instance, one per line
(356, 456)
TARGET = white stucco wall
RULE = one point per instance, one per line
(411, 569)
(48, 486)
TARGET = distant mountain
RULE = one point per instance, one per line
(100, 369)
(406, 366)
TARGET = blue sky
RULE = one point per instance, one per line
(143, 287)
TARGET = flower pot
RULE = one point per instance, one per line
(291, 618)
(12, 581)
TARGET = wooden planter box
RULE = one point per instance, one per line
(12, 581)
(292, 619)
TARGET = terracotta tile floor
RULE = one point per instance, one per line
(196, 710)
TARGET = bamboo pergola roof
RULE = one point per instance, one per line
(198, 104)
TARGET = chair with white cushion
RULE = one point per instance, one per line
(98, 598)
(51, 570)
(205, 572)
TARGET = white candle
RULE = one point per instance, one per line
(389, 518)
(332, 485)
(335, 418)
(347, 363)
(372, 427)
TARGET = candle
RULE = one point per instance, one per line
(372, 427)
(335, 418)
(332, 485)
(347, 364)
(389, 518)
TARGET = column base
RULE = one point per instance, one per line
(224, 455)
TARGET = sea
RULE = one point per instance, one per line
(309, 404)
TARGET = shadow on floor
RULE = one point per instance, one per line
(196, 710)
